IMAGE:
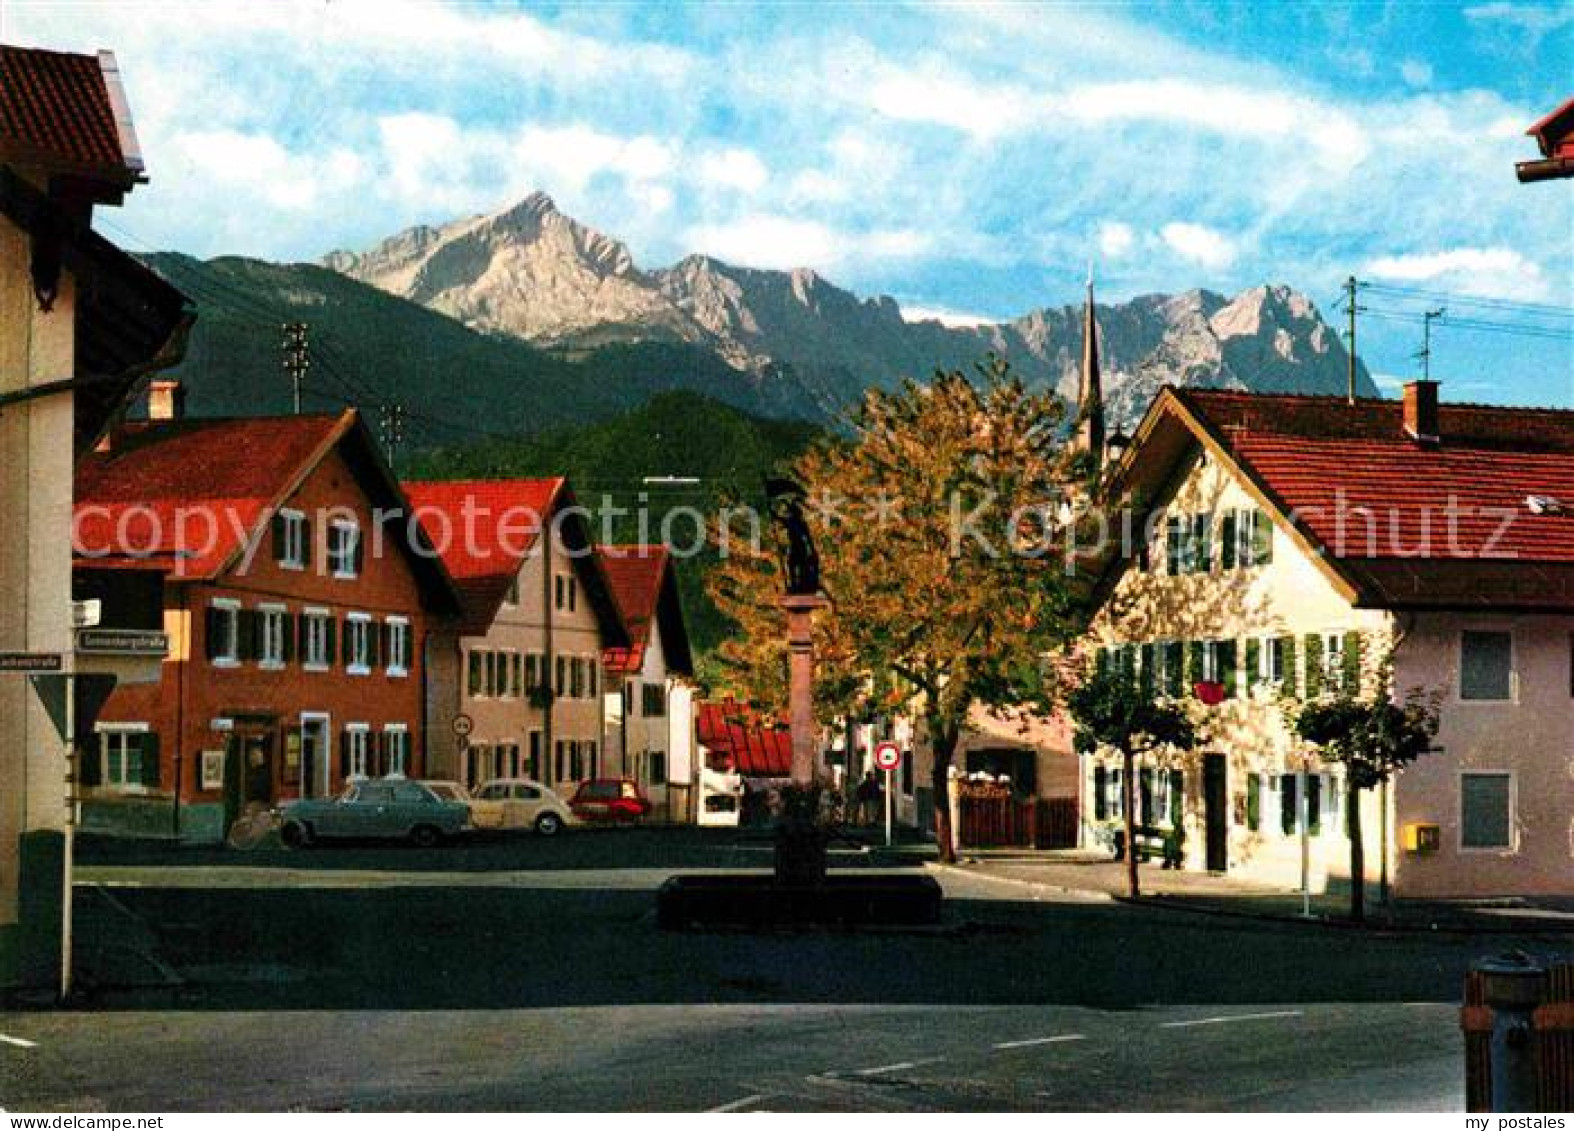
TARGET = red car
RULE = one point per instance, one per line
(609, 799)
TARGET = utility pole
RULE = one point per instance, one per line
(1351, 308)
(390, 428)
(1426, 340)
(295, 360)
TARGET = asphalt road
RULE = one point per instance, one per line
(389, 979)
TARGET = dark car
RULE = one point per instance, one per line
(375, 809)
(609, 799)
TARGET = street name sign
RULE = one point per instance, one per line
(31, 662)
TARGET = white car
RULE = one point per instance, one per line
(520, 803)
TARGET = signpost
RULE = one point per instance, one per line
(887, 757)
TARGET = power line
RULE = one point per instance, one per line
(1508, 305)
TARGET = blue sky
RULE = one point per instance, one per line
(968, 160)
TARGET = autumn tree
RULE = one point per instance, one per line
(1112, 709)
(1373, 737)
(940, 524)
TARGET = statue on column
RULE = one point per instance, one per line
(802, 561)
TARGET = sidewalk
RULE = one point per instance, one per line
(1091, 873)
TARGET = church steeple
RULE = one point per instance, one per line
(1090, 398)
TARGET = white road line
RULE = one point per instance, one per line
(19, 1042)
(1041, 1041)
(903, 1065)
(1232, 1017)
(735, 1105)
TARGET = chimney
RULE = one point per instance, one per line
(166, 400)
(1421, 411)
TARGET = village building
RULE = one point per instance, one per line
(1293, 544)
(744, 755)
(515, 685)
(82, 325)
(298, 599)
(649, 701)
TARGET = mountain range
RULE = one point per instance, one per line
(532, 273)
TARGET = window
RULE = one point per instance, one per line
(1246, 539)
(356, 762)
(558, 589)
(533, 767)
(128, 758)
(290, 542)
(593, 676)
(358, 644)
(1273, 655)
(1253, 801)
(560, 763)
(272, 636)
(573, 590)
(576, 674)
(1175, 546)
(317, 639)
(223, 631)
(533, 671)
(1486, 802)
(511, 598)
(1288, 819)
(653, 700)
(1486, 665)
(1100, 793)
(658, 767)
(1173, 661)
(344, 549)
(1314, 804)
(399, 645)
(473, 673)
(396, 750)
(1333, 660)
(560, 686)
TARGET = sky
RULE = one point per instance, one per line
(969, 160)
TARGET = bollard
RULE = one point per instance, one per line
(1512, 986)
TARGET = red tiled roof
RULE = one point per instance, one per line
(1398, 515)
(484, 551)
(192, 488)
(58, 109)
(636, 574)
(737, 739)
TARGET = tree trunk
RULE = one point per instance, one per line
(942, 746)
(1357, 852)
(1128, 804)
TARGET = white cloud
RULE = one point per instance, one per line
(1115, 239)
(1199, 244)
(782, 242)
(734, 168)
(1533, 18)
(1416, 72)
(951, 100)
(957, 319)
(1483, 271)
(254, 163)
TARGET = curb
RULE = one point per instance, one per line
(1176, 904)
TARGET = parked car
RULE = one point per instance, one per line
(375, 809)
(522, 804)
(609, 799)
(483, 814)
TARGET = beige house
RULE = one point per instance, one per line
(1288, 544)
(649, 703)
(515, 688)
(82, 325)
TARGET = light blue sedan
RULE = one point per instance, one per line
(375, 809)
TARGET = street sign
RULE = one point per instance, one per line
(123, 641)
(30, 662)
(463, 725)
(887, 756)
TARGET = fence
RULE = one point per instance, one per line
(995, 819)
(1551, 1039)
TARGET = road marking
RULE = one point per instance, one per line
(735, 1105)
(19, 1042)
(1041, 1041)
(1232, 1017)
(902, 1066)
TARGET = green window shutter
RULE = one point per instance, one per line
(1177, 797)
(246, 634)
(150, 763)
(1314, 664)
(288, 632)
(1174, 541)
(1287, 804)
(346, 639)
(278, 524)
(1100, 793)
(1314, 804)
(359, 557)
(1174, 668)
(1202, 543)
(374, 637)
(211, 630)
(1145, 814)
(1352, 662)
(306, 541)
(1253, 662)
(1262, 538)
(331, 649)
(1253, 801)
(1228, 653)
(1227, 536)
(90, 760)
(1193, 664)
(1286, 646)
(409, 647)
(1145, 678)
(344, 754)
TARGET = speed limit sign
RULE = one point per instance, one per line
(887, 756)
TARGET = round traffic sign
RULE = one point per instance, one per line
(887, 756)
(463, 725)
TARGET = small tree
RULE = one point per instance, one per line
(1372, 737)
(1112, 709)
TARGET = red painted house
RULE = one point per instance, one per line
(298, 597)
(1554, 136)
